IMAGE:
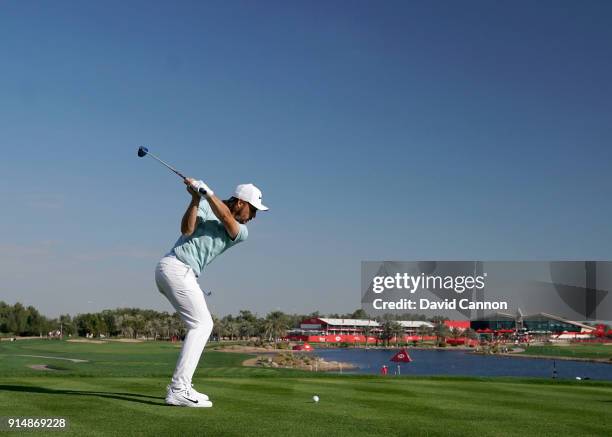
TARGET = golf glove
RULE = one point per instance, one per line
(196, 185)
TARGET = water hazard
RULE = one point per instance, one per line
(464, 363)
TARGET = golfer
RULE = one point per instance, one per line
(209, 227)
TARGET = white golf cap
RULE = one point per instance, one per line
(250, 193)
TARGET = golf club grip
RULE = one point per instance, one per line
(202, 191)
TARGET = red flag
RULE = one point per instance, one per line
(401, 357)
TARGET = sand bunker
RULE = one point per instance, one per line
(251, 362)
(41, 367)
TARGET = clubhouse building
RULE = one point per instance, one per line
(330, 330)
(535, 324)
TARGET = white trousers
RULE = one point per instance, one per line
(178, 283)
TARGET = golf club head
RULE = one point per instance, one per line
(142, 151)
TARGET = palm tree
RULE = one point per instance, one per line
(267, 328)
(147, 329)
(441, 331)
(247, 321)
(157, 328)
(232, 329)
(216, 331)
(178, 325)
(398, 331)
(138, 323)
(166, 324)
(280, 329)
(471, 334)
(246, 329)
(123, 324)
(67, 325)
(278, 324)
(390, 329)
(367, 331)
(219, 329)
(422, 331)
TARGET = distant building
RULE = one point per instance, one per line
(353, 331)
(412, 326)
(494, 322)
(330, 330)
(327, 326)
(540, 323)
(545, 323)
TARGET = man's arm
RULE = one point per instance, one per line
(224, 214)
(220, 209)
(188, 223)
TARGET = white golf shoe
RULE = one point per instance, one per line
(187, 397)
(198, 395)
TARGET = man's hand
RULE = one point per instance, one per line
(194, 186)
(220, 209)
(188, 223)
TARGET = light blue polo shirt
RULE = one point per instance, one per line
(209, 240)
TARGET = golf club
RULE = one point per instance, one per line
(143, 151)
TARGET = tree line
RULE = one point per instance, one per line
(136, 323)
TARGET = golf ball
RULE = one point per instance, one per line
(315, 398)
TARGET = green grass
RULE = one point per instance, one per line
(120, 392)
(599, 351)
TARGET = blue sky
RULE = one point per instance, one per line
(376, 130)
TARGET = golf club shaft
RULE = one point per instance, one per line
(169, 166)
(202, 191)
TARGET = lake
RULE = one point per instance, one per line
(464, 363)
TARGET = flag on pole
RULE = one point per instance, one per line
(401, 357)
